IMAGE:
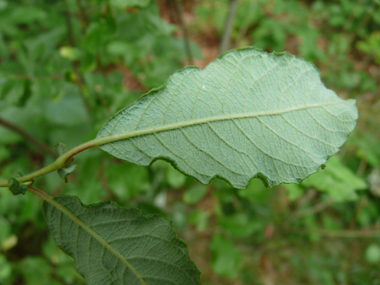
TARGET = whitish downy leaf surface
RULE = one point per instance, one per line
(247, 114)
(112, 245)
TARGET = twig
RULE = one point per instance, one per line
(225, 43)
(178, 4)
(345, 233)
(40, 144)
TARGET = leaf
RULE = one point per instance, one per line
(199, 218)
(247, 114)
(195, 194)
(16, 187)
(11, 90)
(337, 180)
(61, 148)
(174, 178)
(239, 224)
(226, 258)
(126, 189)
(112, 245)
(69, 168)
(66, 171)
(294, 191)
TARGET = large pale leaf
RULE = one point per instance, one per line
(247, 114)
(111, 245)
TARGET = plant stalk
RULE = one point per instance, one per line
(226, 38)
(59, 163)
(178, 4)
(40, 144)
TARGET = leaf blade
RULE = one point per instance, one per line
(232, 119)
(148, 251)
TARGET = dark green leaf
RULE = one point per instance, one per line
(16, 187)
(112, 245)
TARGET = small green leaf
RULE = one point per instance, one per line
(199, 218)
(239, 224)
(195, 194)
(26, 93)
(61, 148)
(256, 192)
(70, 168)
(16, 187)
(12, 90)
(123, 188)
(175, 178)
(226, 258)
(337, 180)
(294, 191)
(65, 172)
(5, 269)
(33, 267)
(112, 245)
(247, 114)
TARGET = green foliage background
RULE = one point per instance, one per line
(67, 66)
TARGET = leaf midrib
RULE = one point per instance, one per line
(130, 134)
(92, 233)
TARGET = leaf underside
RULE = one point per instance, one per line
(247, 114)
(149, 246)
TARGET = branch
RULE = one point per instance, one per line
(345, 233)
(225, 43)
(184, 29)
(40, 144)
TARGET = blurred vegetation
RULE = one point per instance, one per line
(67, 66)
